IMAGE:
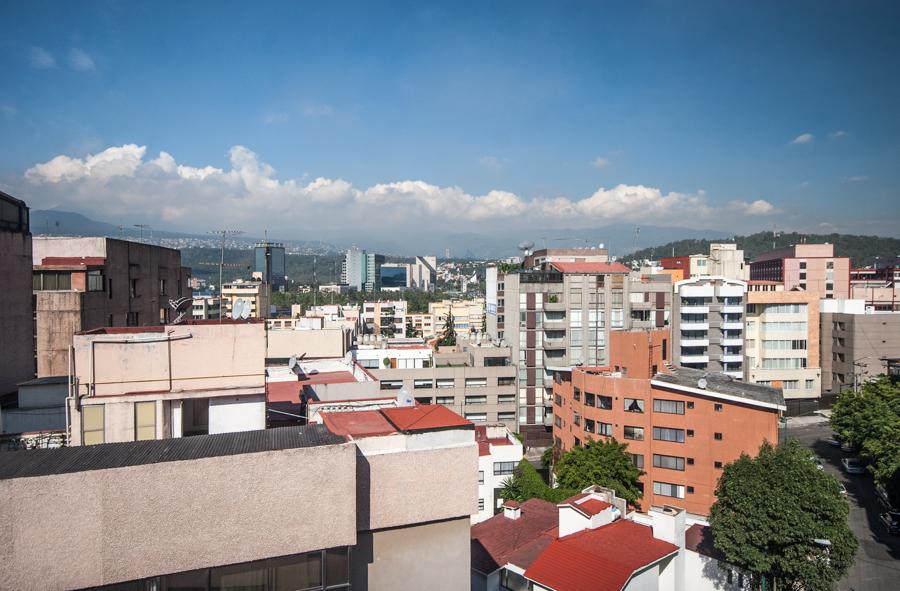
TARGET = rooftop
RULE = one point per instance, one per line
(72, 262)
(385, 421)
(485, 442)
(46, 381)
(698, 538)
(66, 460)
(590, 267)
(586, 504)
(499, 540)
(601, 559)
(719, 385)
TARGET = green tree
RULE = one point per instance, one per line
(870, 420)
(600, 462)
(769, 512)
(526, 483)
(448, 336)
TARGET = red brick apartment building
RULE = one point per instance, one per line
(681, 425)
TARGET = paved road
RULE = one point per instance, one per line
(877, 565)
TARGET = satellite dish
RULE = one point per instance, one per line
(245, 311)
(292, 362)
(701, 383)
(180, 308)
(237, 308)
(403, 397)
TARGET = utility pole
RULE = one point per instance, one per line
(142, 226)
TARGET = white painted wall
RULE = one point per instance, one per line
(708, 574)
(499, 453)
(230, 414)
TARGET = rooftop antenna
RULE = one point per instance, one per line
(637, 232)
(223, 233)
(142, 226)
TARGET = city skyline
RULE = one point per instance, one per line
(487, 120)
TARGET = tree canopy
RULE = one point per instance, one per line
(600, 462)
(448, 336)
(870, 421)
(526, 483)
(771, 510)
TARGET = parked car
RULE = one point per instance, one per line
(883, 497)
(853, 466)
(843, 488)
(846, 446)
(834, 440)
(891, 521)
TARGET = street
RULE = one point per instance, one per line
(876, 567)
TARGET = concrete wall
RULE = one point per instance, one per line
(16, 330)
(433, 556)
(327, 342)
(860, 338)
(230, 414)
(80, 530)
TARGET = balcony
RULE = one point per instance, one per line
(554, 323)
(694, 359)
(551, 345)
(731, 291)
(733, 342)
(697, 291)
(557, 306)
(694, 326)
(694, 309)
(731, 309)
(732, 325)
(732, 358)
(694, 342)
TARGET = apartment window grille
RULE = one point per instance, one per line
(506, 416)
(674, 407)
(667, 489)
(448, 400)
(667, 434)
(92, 424)
(420, 384)
(668, 462)
(634, 405)
(445, 383)
(144, 421)
(476, 382)
(391, 384)
(635, 433)
(504, 468)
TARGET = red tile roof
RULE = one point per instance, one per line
(592, 506)
(357, 423)
(283, 391)
(485, 442)
(499, 540)
(591, 268)
(424, 417)
(601, 559)
(327, 377)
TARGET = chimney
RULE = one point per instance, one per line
(669, 526)
(512, 509)
(594, 507)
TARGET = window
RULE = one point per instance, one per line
(481, 477)
(505, 398)
(589, 399)
(673, 407)
(667, 434)
(95, 280)
(604, 402)
(557, 421)
(577, 394)
(809, 384)
(144, 421)
(507, 381)
(162, 287)
(690, 432)
(423, 399)
(92, 424)
(476, 382)
(718, 436)
(445, 400)
(635, 433)
(802, 264)
(481, 504)
(690, 490)
(637, 460)
(423, 384)
(718, 407)
(132, 319)
(690, 405)
(504, 468)
(588, 426)
(506, 416)
(667, 489)
(690, 461)
(51, 281)
(391, 384)
(634, 405)
(717, 464)
(606, 429)
(476, 399)
(557, 399)
(512, 581)
(668, 462)
(445, 383)
(476, 417)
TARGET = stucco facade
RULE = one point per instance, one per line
(16, 322)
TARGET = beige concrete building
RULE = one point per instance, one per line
(808, 267)
(17, 320)
(855, 340)
(206, 308)
(727, 260)
(590, 254)
(367, 501)
(387, 318)
(81, 284)
(254, 294)
(468, 315)
(161, 382)
(782, 345)
(309, 336)
(476, 380)
(422, 325)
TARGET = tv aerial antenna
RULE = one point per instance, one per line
(223, 233)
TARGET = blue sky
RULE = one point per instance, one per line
(716, 115)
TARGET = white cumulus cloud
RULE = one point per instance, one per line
(803, 138)
(80, 61)
(758, 207)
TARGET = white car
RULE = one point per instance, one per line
(853, 466)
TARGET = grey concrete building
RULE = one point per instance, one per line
(17, 317)
(854, 342)
(86, 283)
(476, 380)
(370, 501)
(708, 324)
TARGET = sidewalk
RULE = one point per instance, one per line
(820, 416)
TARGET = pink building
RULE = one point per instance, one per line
(808, 267)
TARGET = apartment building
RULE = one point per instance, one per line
(808, 267)
(345, 505)
(556, 317)
(17, 320)
(499, 452)
(250, 293)
(782, 345)
(206, 307)
(81, 284)
(681, 427)
(361, 270)
(542, 256)
(385, 318)
(468, 315)
(422, 325)
(650, 300)
(690, 266)
(724, 260)
(708, 324)
(476, 380)
(856, 343)
(167, 381)
(309, 337)
(878, 286)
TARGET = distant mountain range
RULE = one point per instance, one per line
(862, 250)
